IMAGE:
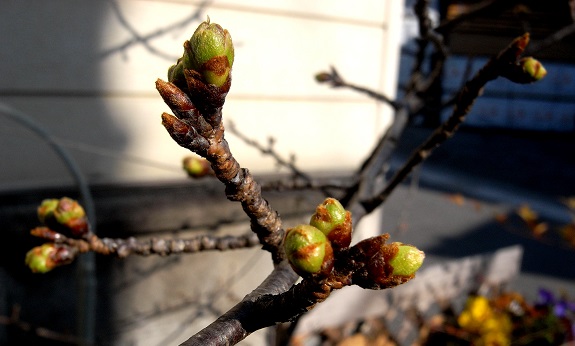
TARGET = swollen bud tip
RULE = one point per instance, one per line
(40, 258)
(533, 68)
(407, 260)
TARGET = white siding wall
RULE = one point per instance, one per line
(86, 71)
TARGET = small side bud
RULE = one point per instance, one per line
(46, 209)
(323, 77)
(334, 221)
(64, 215)
(46, 257)
(210, 51)
(308, 250)
(176, 73)
(526, 70)
(533, 68)
(197, 167)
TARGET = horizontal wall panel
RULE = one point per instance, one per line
(125, 46)
(368, 13)
(122, 139)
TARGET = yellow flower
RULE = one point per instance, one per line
(493, 327)
(477, 310)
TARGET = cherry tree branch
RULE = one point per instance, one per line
(494, 68)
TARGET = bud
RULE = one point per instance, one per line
(407, 260)
(323, 77)
(176, 73)
(334, 221)
(197, 167)
(64, 215)
(385, 265)
(308, 250)
(210, 51)
(533, 68)
(46, 257)
(46, 209)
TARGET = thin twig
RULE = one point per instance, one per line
(466, 98)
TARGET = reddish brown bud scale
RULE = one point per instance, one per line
(174, 97)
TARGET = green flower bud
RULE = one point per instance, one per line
(176, 73)
(407, 260)
(68, 210)
(210, 51)
(48, 256)
(384, 265)
(308, 250)
(46, 209)
(196, 167)
(40, 258)
(533, 68)
(334, 221)
(64, 215)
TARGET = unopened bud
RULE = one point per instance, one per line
(385, 265)
(308, 250)
(197, 167)
(407, 260)
(46, 257)
(533, 68)
(334, 221)
(46, 209)
(64, 215)
(210, 51)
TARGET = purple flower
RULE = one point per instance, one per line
(546, 297)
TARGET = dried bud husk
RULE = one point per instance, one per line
(64, 215)
(210, 51)
(308, 251)
(46, 257)
(385, 265)
(334, 221)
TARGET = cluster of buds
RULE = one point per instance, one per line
(314, 249)
(62, 218)
(209, 52)
(65, 216)
(310, 248)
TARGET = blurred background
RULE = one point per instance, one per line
(79, 76)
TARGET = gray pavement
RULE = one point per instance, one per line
(495, 172)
